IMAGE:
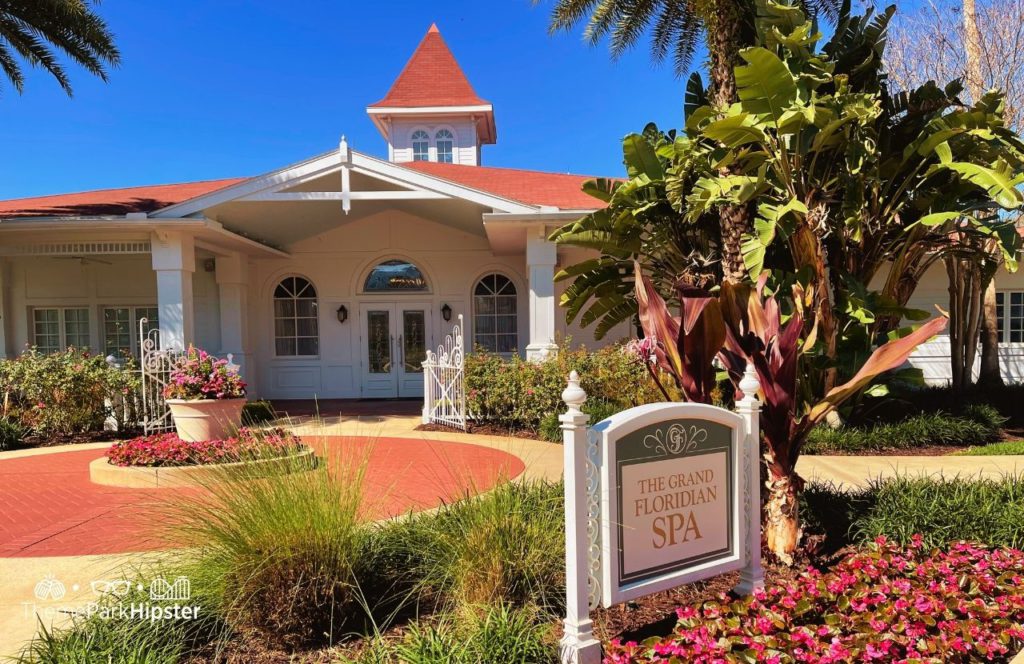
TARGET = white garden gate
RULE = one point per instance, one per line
(444, 386)
(156, 363)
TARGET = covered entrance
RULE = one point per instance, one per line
(393, 340)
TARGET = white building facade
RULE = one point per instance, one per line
(330, 278)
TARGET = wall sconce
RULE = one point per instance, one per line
(446, 312)
(342, 313)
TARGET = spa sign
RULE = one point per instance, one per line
(656, 496)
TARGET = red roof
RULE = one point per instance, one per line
(432, 77)
(111, 201)
(560, 190)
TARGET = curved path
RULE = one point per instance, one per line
(50, 508)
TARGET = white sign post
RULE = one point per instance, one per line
(655, 497)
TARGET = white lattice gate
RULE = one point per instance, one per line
(157, 363)
(444, 387)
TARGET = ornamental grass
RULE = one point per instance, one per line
(887, 603)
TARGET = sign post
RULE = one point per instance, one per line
(655, 497)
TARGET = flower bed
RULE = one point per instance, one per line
(886, 603)
(167, 449)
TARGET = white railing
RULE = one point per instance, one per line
(156, 364)
(444, 386)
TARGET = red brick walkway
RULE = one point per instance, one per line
(48, 506)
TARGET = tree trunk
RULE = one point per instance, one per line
(990, 375)
(972, 47)
(782, 514)
(965, 312)
(724, 26)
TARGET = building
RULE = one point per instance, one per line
(332, 276)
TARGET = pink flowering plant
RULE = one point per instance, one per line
(167, 449)
(886, 603)
(199, 375)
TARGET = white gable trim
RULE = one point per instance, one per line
(341, 161)
(420, 110)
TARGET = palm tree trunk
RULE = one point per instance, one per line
(724, 29)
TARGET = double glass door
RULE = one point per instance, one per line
(394, 338)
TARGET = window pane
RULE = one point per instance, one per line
(507, 343)
(306, 327)
(117, 340)
(506, 304)
(378, 335)
(485, 304)
(307, 346)
(285, 346)
(76, 328)
(284, 307)
(46, 330)
(414, 342)
(395, 275)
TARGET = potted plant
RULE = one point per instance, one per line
(205, 395)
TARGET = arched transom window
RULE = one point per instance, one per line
(395, 275)
(296, 328)
(420, 145)
(495, 324)
(445, 142)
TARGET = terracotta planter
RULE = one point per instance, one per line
(206, 419)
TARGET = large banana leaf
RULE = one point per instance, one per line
(764, 85)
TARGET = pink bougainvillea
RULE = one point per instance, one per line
(167, 449)
(199, 375)
(885, 604)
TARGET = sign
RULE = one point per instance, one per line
(655, 497)
(670, 503)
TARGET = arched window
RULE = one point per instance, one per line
(445, 142)
(395, 275)
(495, 324)
(420, 145)
(296, 327)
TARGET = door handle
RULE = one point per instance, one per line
(401, 353)
(391, 354)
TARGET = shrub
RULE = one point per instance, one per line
(1004, 400)
(280, 555)
(977, 426)
(199, 375)
(69, 392)
(11, 433)
(505, 546)
(550, 428)
(491, 633)
(167, 449)
(518, 394)
(259, 412)
(887, 603)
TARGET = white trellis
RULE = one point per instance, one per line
(444, 386)
(156, 363)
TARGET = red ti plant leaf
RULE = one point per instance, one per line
(686, 346)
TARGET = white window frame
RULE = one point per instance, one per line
(414, 138)
(514, 296)
(295, 317)
(134, 343)
(1004, 312)
(444, 135)
(62, 329)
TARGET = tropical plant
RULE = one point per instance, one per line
(675, 27)
(742, 326)
(33, 30)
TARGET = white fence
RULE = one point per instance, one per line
(156, 364)
(444, 382)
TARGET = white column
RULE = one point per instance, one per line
(5, 308)
(174, 261)
(752, 574)
(578, 645)
(541, 257)
(232, 286)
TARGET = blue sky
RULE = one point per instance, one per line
(224, 88)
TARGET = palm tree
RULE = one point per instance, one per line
(33, 30)
(675, 27)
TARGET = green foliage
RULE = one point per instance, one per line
(915, 431)
(941, 510)
(1008, 447)
(503, 547)
(489, 633)
(67, 393)
(11, 433)
(551, 429)
(258, 412)
(519, 394)
(281, 554)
